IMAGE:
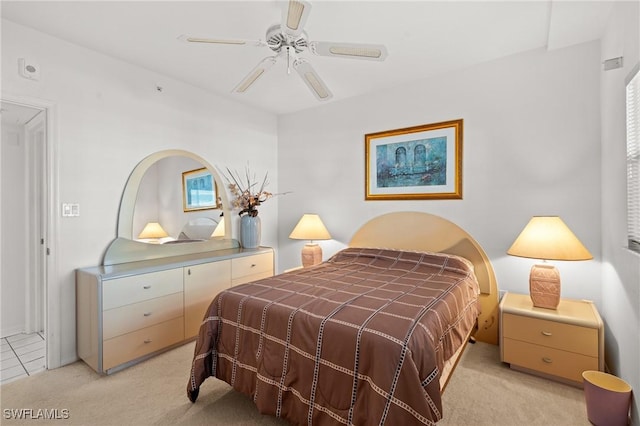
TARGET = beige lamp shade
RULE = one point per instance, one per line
(219, 231)
(547, 238)
(310, 227)
(153, 230)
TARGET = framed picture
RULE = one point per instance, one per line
(415, 163)
(199, 191)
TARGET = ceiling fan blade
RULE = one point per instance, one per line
(294, 16)
(372, 52)
(312, 80)
(192, 39)
(262, 67)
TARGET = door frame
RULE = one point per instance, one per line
(49, 212)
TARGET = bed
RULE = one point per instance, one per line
(369, 336)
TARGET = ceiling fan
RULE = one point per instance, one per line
(288, 40)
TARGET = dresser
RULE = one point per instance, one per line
(128, 312)
(558, 344)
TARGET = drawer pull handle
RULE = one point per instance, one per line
(253, 265)
(147, 314)
(547, 333)
(547, 360)
(147, 340)
(147, 287)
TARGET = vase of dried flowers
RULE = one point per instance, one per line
(247, 196)
(250, 231)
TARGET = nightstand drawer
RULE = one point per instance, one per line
(548, 360)
(562, 336)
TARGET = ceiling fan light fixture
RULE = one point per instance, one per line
(287, 39)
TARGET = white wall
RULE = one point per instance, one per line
(621, 267)
(531, 147)
(109, 117)
(14, 227)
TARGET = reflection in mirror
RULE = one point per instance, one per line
(200, 229)
(153, 193)
(160, 199)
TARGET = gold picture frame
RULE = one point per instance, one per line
(199, 191)
(415, 163)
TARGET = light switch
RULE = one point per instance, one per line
(70, 210)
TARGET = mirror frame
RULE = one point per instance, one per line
(125, 249)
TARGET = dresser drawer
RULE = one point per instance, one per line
(567, 337)
(133, 289)
(124, 319)
(130, 346)
(548, 360)
(259, 264)
(249, 278)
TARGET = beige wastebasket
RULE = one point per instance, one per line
(608, 398)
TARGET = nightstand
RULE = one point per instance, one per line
(555, 343)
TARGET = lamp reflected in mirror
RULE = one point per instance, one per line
(152, 233)
(219, 231)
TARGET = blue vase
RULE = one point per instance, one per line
(250, 231)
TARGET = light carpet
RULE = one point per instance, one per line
(482, 391)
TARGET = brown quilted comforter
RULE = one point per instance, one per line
(359, 339)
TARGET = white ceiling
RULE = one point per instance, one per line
(423, 38)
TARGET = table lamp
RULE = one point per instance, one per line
(152, 232)
(547, 238)
(310, 227)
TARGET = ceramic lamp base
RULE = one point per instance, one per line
(544, 286)
(311, 255)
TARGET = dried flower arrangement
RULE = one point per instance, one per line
(247, 195)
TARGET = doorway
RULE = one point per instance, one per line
(23, 252)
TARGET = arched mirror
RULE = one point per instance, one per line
(179, 193)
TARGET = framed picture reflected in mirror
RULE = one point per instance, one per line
(199, 191)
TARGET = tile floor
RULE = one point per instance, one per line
(22, 355)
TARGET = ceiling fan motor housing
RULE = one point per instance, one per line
(276, 39)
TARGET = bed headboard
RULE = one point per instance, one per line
(427, 232)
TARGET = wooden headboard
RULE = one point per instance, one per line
(417, 231)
